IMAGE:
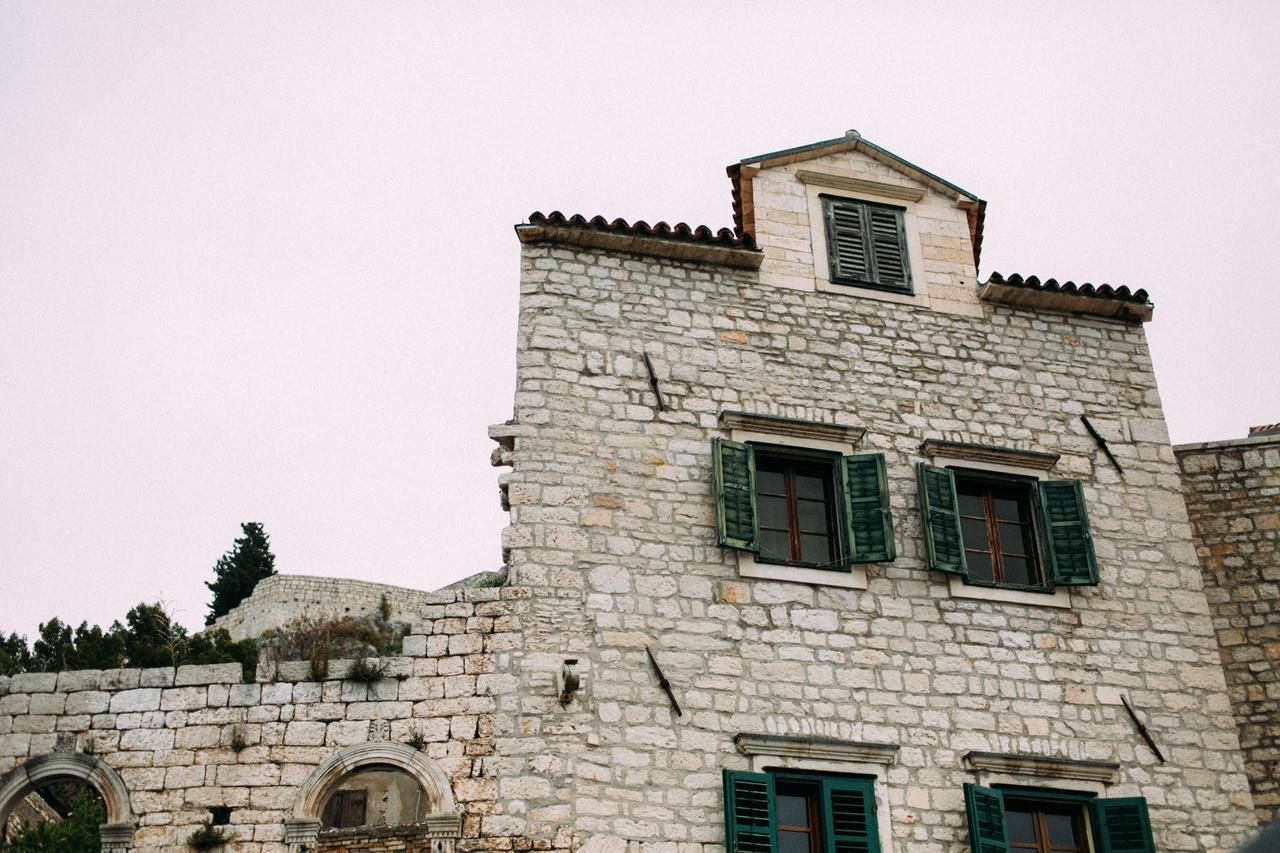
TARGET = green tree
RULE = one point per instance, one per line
(15, 657)
(76, 833)
(54, 648)
(98, 649)
(238, 571)
(153, 639)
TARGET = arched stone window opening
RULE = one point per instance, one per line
(54, 779)
(374, 788)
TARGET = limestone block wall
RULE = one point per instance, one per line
(1233, 497)
(168, 733)
(280, 598)
(612, 524)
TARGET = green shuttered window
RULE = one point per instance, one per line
(789, 810)
(866, 244)
(938, 505)
(1122, 825)
(800, 507)
(1007, 821)
(1006, 531)
(1068, 541)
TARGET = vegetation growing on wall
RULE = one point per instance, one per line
(319, 640)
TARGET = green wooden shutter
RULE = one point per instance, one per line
(848, 246)
(850, 816)
(734, 476)
(940, 513)
(888, 247)
(748, 813)
(868, 522)
(1067, 538)
(1122, 825)
(985, 810)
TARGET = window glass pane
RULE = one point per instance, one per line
(1062, 829)
(975, 534)
(772, 511)
(810, 486)
(791, 809)
(1018, 571)
(793, 842)
(970, 504)
(813, 517)
(979, 565)
(774, 545)
(770, 482)
(815, 549)
(1019, 825)
(1007, 508)
(1013, 538)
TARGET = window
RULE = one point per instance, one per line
(795, 504)
(1008, 532)
(801, 507)
(866, 244)
(345, 809)
(1012, 819)
(797, 812)
(997, 530)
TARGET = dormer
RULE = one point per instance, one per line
(846, 216)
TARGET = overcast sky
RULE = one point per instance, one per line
(257, 261)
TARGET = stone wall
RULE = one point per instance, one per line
(168, 733)
(1233, 496)
(280, 598)
(611, 511)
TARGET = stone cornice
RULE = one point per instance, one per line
(860, 185)
(1011, 456)
(793, 427)
(1043, 765)
(806, 746)
(655, 246)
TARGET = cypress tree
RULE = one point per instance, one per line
(238, 571)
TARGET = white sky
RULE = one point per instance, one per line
(257, 261)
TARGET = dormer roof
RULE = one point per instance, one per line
(741, 172)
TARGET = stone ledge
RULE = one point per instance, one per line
(1066, 303)
(654, 246)
(793, 427)
(805, 746)
(1013, 457)
(1043, 765)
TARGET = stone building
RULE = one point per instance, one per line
(1233, 496)
(816, 543)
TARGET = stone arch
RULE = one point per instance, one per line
(303, 824)
(116, 833)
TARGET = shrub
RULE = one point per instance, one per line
(207, 837)
(318, 641)
(366, 671)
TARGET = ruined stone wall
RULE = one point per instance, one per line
(1233, 496)
(612, 524)
(280, 598)
(169, 733)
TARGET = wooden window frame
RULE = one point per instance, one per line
(828, 463)
(1027, 498)
(1038, 808)
(872, 282)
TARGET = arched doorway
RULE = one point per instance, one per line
(46, 771)
(373, 787)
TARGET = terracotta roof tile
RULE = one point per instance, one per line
(1100, 291)
(679, 232)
